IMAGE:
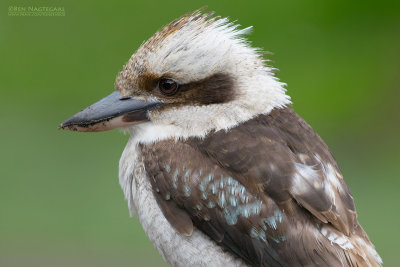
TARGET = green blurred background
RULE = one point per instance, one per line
(60, 201)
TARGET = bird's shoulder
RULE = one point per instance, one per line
(247, 186)
(282, 156)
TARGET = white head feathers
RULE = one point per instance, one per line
(193, 48)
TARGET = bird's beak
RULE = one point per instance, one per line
(109, 113)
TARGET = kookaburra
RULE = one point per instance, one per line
(219, 170)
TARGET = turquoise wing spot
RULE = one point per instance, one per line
(186, 190)
(175, 179)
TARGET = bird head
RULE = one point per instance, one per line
(195, 75)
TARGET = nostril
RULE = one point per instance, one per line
(125, 98)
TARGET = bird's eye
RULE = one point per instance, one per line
(167, 86)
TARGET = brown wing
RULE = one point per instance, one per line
(263, 190)
(215, 201)
(283, 154)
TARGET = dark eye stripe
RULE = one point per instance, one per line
(215, 89)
